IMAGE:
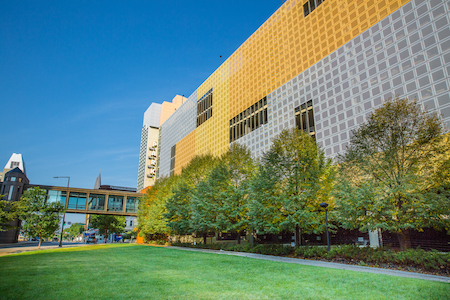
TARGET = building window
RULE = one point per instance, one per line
(11, 192)
(77, 200)
(59, 196)
(172, 159)
(248, 120)
(14, 164)
(131, 204)
(115, 203)
(204, 108)
(310, 5)
(304, 118)
(96, 202)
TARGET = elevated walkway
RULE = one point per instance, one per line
(93, 201)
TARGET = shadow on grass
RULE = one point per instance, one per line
(143, 272)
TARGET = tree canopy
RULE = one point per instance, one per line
(294, 178)
(179, 203)
(41, 218)
(387, 174)
(393, 176)
(74, 230)
(107, 224)
(8, 212)
(152, 220)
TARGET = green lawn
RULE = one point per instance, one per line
(143, 272)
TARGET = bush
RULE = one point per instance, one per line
(272, 249)
(310, 252)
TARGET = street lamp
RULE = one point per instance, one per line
(325, 205)
(64, 216)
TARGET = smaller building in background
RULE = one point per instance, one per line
(12, 187)
(103, 199)
(15, 161)
(154, 116)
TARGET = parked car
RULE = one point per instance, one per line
(91, 239)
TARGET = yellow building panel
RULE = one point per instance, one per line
(212, 136)
(285, 45)
(185, 151)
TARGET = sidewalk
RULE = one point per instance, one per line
(20, 247)
(324, 264)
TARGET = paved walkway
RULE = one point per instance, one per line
(19, 247)
(316, 263)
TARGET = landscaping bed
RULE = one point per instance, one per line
(413, 260)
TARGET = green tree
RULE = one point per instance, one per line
(207, 201)
(238, 169)
(74, 230)
(41, 217)
(107, 224)
(152, 220)
(178, 208)
(294, 178)
(218, 201)
(387, 176)
(179, 204)
(9, 211)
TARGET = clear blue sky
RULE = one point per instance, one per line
(77, 76)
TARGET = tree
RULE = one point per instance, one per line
(41, 217)
(74, 230)
(207, 201)
(8, 212)
(388, 173)
(294, 178)
(178, 208)
(218, 200)
(108, 224)
(152, 222)
(179, 204)
(238, 169)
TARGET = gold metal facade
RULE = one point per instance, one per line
(185, 152)
(284, 46)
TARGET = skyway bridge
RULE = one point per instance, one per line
(93, 201)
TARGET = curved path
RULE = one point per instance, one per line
(324, 264)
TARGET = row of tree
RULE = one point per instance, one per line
(393, 176)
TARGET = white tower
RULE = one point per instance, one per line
(16, 161)
(149, 145)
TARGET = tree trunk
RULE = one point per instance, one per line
(404, 239)
(204, 238)
(253, 237)
(297, 236)
(40, 240)
(238, 237)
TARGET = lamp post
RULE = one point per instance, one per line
(64, 215)
(325, 205)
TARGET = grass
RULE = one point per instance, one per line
(143, 272)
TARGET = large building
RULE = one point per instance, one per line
(322, 66)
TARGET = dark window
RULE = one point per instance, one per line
(310, 5)
(306, 8)
(96, 202)
(204, 108)
(172, 159)
(304, 118)
(248, 120)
